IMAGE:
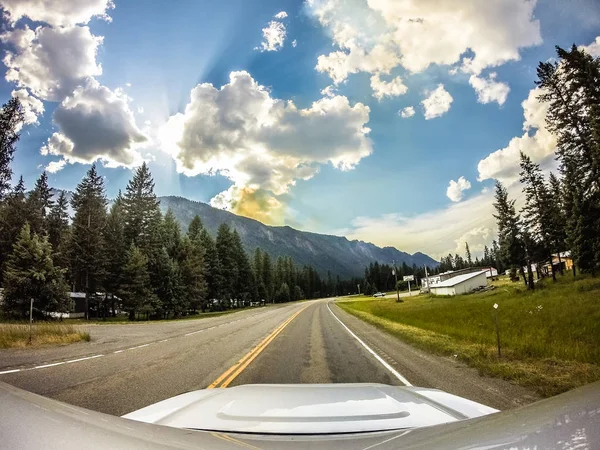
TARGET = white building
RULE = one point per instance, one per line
(460, 284)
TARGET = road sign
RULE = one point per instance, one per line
(409, 278)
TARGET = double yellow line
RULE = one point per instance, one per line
(230, 374)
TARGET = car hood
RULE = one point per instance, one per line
(310, 409)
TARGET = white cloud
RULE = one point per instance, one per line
(456, 189)
(329, 91)
(140, 110)
(57, 12)
(95, 123)
(273, 37)
(382, 88)
(294, 43)
(261, 143)
(32, 107)
(489, 90)
(477, 238)
(593, 49)
(280, 15)
(437, 102)
(536, 142)
(407, 112)
(55, 166)
(51, 62)
(376, 35)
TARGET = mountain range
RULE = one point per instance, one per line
(324, 252)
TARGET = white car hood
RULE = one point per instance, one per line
(310, 409)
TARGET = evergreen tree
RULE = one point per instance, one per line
(195, 228)
(511, 249)
(283, 293)
(39, 204)
(141, 212)
(468, 254)
(11, 119)
(59, 231)
(170, 296)
(30, 274)
(570, 87)
(246, 284)
(486, 256)
(227, 260)
(213, 272)
(135, 290)
(192, 273)
(12, 218)
(115, 251)
(87, 239)
(267, 272)
(559, 220)
(171, 234)
(539, 210)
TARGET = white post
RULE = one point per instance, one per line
(30, 318)
(427, 278)
(409, 294)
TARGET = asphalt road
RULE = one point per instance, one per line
(127, 367)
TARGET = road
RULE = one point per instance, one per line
(127, 367)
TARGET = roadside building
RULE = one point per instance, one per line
(460, 284)
(490, 272)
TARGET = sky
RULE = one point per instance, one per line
(381, 120)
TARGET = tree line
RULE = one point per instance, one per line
(562, 211)
(126, 255)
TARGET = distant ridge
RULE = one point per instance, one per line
(324, 252)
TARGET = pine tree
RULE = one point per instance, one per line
(115, 251)
(227, 260)
(168, 287)
(141, 211)
(12, 218)
(283, 293)
(570, 87)
(246, 288)
(511, 250)
(59, 233)
(195, 228)
(31, 274)
(135, 290)
(38, 205)
(267, 270)
(171, 234)
(192, 273)
(468, 254)
(539, 210)
(486, 256)
(11, 119)
(213, 273)
(87, 240)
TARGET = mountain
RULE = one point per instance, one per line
(324, 252)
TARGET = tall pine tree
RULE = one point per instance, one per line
(11, 119)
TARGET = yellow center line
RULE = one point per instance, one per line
(230, 374)
(224, 437)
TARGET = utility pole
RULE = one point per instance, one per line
(427, 278)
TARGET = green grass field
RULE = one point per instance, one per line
(550, 338)
(14, 335)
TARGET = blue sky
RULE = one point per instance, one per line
(125, 82)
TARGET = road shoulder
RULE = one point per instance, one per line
(427, 370)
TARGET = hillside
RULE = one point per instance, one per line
(343, 257)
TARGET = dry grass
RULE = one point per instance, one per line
(549, 337)
(45, 333)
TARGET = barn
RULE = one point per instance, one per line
(460, 284)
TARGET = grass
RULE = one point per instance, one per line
(14, 335)
(549, 337)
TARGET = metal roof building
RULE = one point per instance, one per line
(460, 284)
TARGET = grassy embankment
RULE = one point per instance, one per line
(14, 335)
(550, 338)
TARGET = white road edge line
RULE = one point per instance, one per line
(379, 358)
(83, 359)
(10, 371)
(49, 365)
